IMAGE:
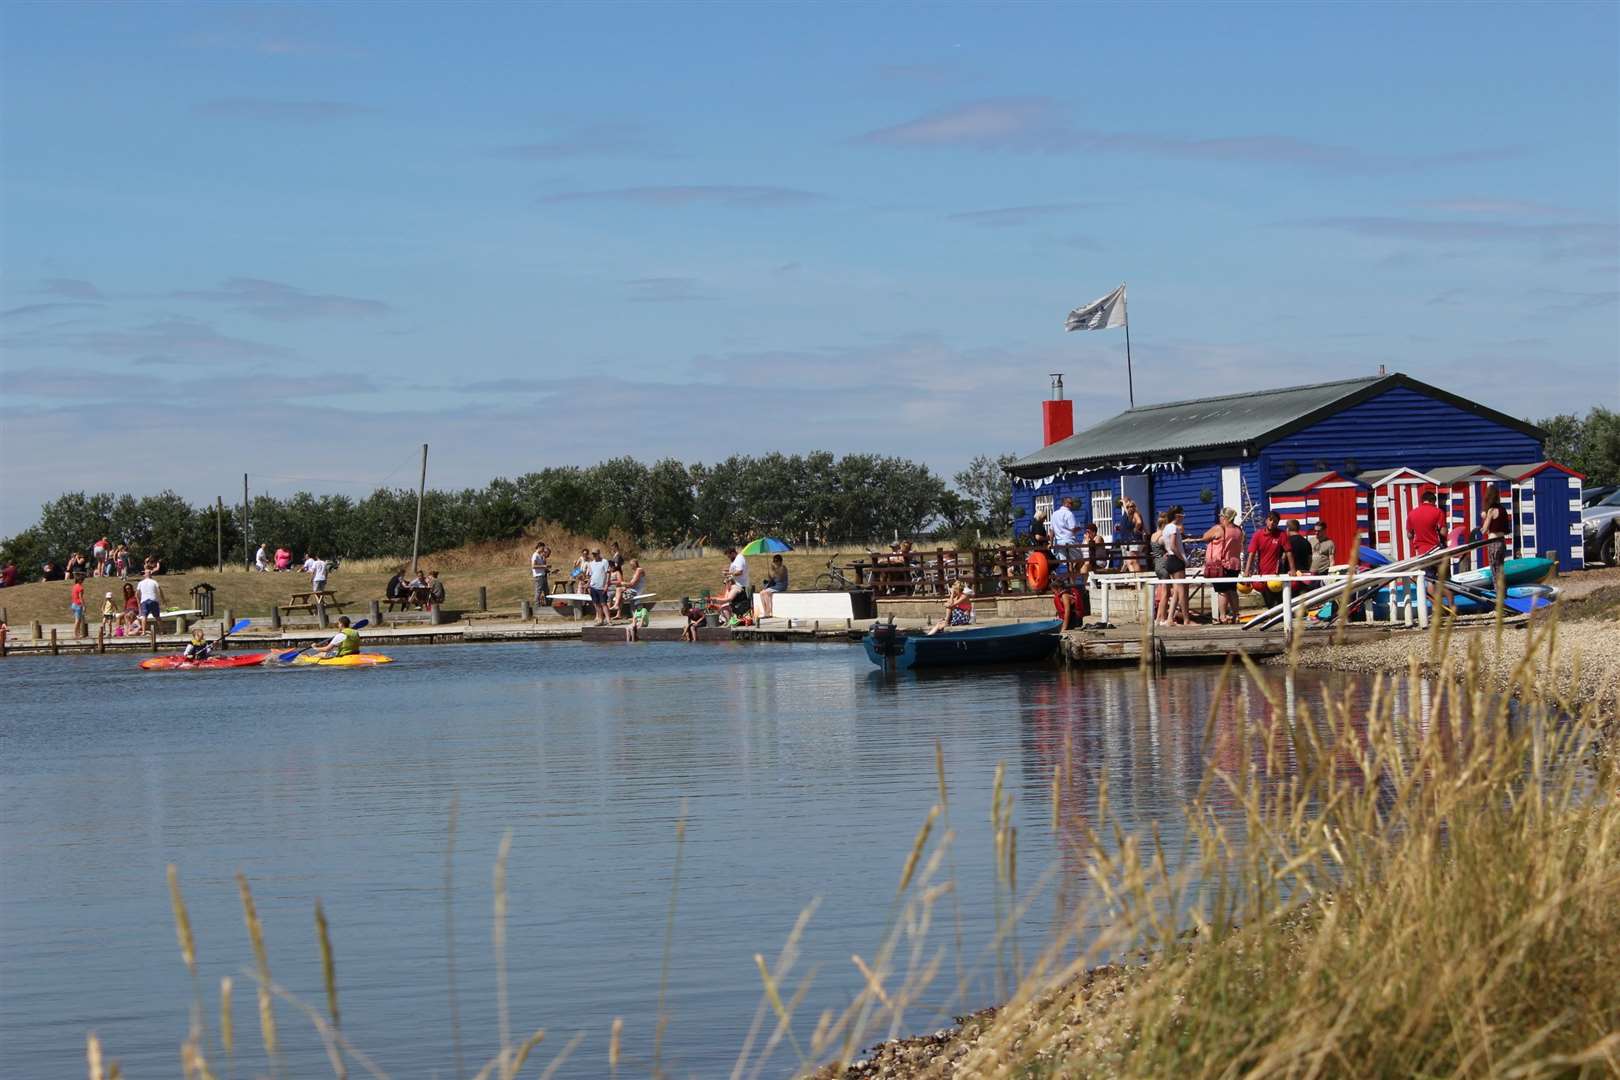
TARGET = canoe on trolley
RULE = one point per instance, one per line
(889, 646)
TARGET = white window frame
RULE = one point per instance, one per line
(1044, 504)
(1102, 513)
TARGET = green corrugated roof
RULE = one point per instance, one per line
(1159, 431)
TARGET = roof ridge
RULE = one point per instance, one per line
(1363, 380)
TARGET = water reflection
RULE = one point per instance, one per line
(804, 773)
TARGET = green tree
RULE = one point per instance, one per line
(988, 491)
(671, 502)
(1589, 445)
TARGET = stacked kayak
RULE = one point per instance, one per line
(367, 659)
(213, 663)
(1525, 590)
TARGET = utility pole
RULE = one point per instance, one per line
(219, 532)
(421, 490)
(247, 558)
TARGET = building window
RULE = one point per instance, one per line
(1043, 505)
(1102, 513)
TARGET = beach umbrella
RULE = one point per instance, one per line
(767, 545)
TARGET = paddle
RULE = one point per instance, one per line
(292, 654)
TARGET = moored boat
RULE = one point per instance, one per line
(888, 646)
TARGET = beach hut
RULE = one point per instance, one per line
(1395, 494)
(1547, 512)
(1462, 497)
(1231, 450)
(1335, 503)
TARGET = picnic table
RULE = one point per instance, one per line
(311, 601)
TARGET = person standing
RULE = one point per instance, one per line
(1299, 548)
(596, 572)
(77, 605)
(540, 569)
(1324, 554)
(1425, 532)
(151, 594)
(317, 574)
(1038, 537)
(1063, 529)
(1493, 526)
(1269, 555)
(261, 559)
(1223, 555)
(109, 616)
(1175, 558)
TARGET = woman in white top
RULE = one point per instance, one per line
(1175, 554)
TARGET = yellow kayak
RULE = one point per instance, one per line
(365, 659)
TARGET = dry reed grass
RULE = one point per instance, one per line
(1429, 892)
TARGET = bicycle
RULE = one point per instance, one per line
(834, 580)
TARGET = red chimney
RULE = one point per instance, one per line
(1057, 415)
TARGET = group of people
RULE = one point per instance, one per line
(106, 560)
(414, 588)
(613, 583)
(126, 615)
(281, 561)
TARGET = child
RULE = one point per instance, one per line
(109, 615)
(958, 608)
(198, 648)
(696, 615)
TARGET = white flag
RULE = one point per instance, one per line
(1104, 314)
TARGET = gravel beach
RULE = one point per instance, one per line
(1577, 644)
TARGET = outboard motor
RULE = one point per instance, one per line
(886, 638)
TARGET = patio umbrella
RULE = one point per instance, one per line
(767, 545)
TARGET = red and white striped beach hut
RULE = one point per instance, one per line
(1462, 497)
(1395, 493)
(1336, 503)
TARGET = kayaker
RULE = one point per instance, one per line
(346, 642)
(199, 648)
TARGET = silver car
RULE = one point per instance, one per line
(1599, 523)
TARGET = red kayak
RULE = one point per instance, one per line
(180, 663)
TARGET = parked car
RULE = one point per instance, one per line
(1597, 493)
(1599, 524)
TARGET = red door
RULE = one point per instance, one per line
(1337, 509)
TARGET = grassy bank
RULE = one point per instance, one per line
(1373, 892)
(504, 574)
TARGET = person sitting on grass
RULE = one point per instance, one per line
(346, 642)
(958, 608)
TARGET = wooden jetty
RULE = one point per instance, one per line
(1192, 643)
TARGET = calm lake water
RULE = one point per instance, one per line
(804, 774)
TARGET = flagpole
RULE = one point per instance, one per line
(1130, 383)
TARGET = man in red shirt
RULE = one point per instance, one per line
(1425, 525)
(1269, 554)
(1425, 530)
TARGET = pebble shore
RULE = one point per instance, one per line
(1580, 654)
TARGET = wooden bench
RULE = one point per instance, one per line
(312, 601)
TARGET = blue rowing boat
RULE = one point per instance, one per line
(889, 646)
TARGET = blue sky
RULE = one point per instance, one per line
(299, 240)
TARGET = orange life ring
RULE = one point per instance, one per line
(1038, 570)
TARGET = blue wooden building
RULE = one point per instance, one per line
(1234, 449)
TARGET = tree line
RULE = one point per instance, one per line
(1590, 445)
(815, 497)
